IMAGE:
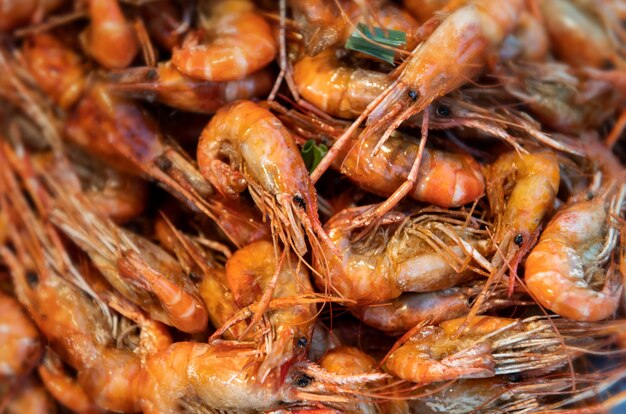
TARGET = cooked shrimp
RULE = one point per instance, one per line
(535, 178)
(17, 13)
(423, 255)
(578, 37)
(169, 86)
(565, 271)
(56, 68)
(337, 89)
(529, 42)
(20, 345)
(465, 38)
(492, 346)
(249, 272)
(444, 179)
(30, 398)
(409, 309)
(423, 10)
(245, 146)
(238, 42)
(109, 39)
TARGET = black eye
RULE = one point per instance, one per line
(515, 377)
(163, 163)
(518, 239)
(299, 201)
(412, 94)
(32, 278)
(444, 110)
(303, 381)
(302, 342)
(152, 74)
(589, 195)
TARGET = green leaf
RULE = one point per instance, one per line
(392, 38)
(312, 154)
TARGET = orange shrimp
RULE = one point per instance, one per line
(17, 13)
(444, 179)
(169, 86)
(20, 345)
(421, 256)
(239, 42)
(465, 39)
(249, 272)
(57, 69)
(337, 89)
(578, 37)
(492, 346)
(245, 146)
(564, 271)
(109, 39)
(423, 10)
(536, 180)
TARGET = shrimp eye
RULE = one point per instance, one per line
(152, 74)
(519, 239)
(303, 381)
(514, 377)
(444, 111)
(32, 278)
(163, 163)
(302, 342)
(299, 201)
(589, 195)
(412, 94)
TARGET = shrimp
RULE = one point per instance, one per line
(409, 309)
(56, 68)
(423, 10)
(238, 42)
(109, 39)
(465, 39)
(20, 345)
(536, 181)
(578, 37)
(337, 89)
(17, 13)
(420, 256)
(164, 22)
(249, 272)
(168, 85)
(30, 398)
(492, 346)
(327, 24)
(245, 146)
(564, 271)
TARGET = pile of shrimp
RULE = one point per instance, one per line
(225, 206)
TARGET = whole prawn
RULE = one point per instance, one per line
(565, 267)
(240, 43)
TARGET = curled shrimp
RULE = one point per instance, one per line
(536, 182)
(492, 346)
(249, 272)
(239, 43)
(245, 146)
(17, 13)
(109, 39)
(171, 87)
(20, 345)
(564, 271)
(56, 68)
(420, 256)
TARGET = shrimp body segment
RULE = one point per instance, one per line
(557, 268)
(241, 42)
(244, 145)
